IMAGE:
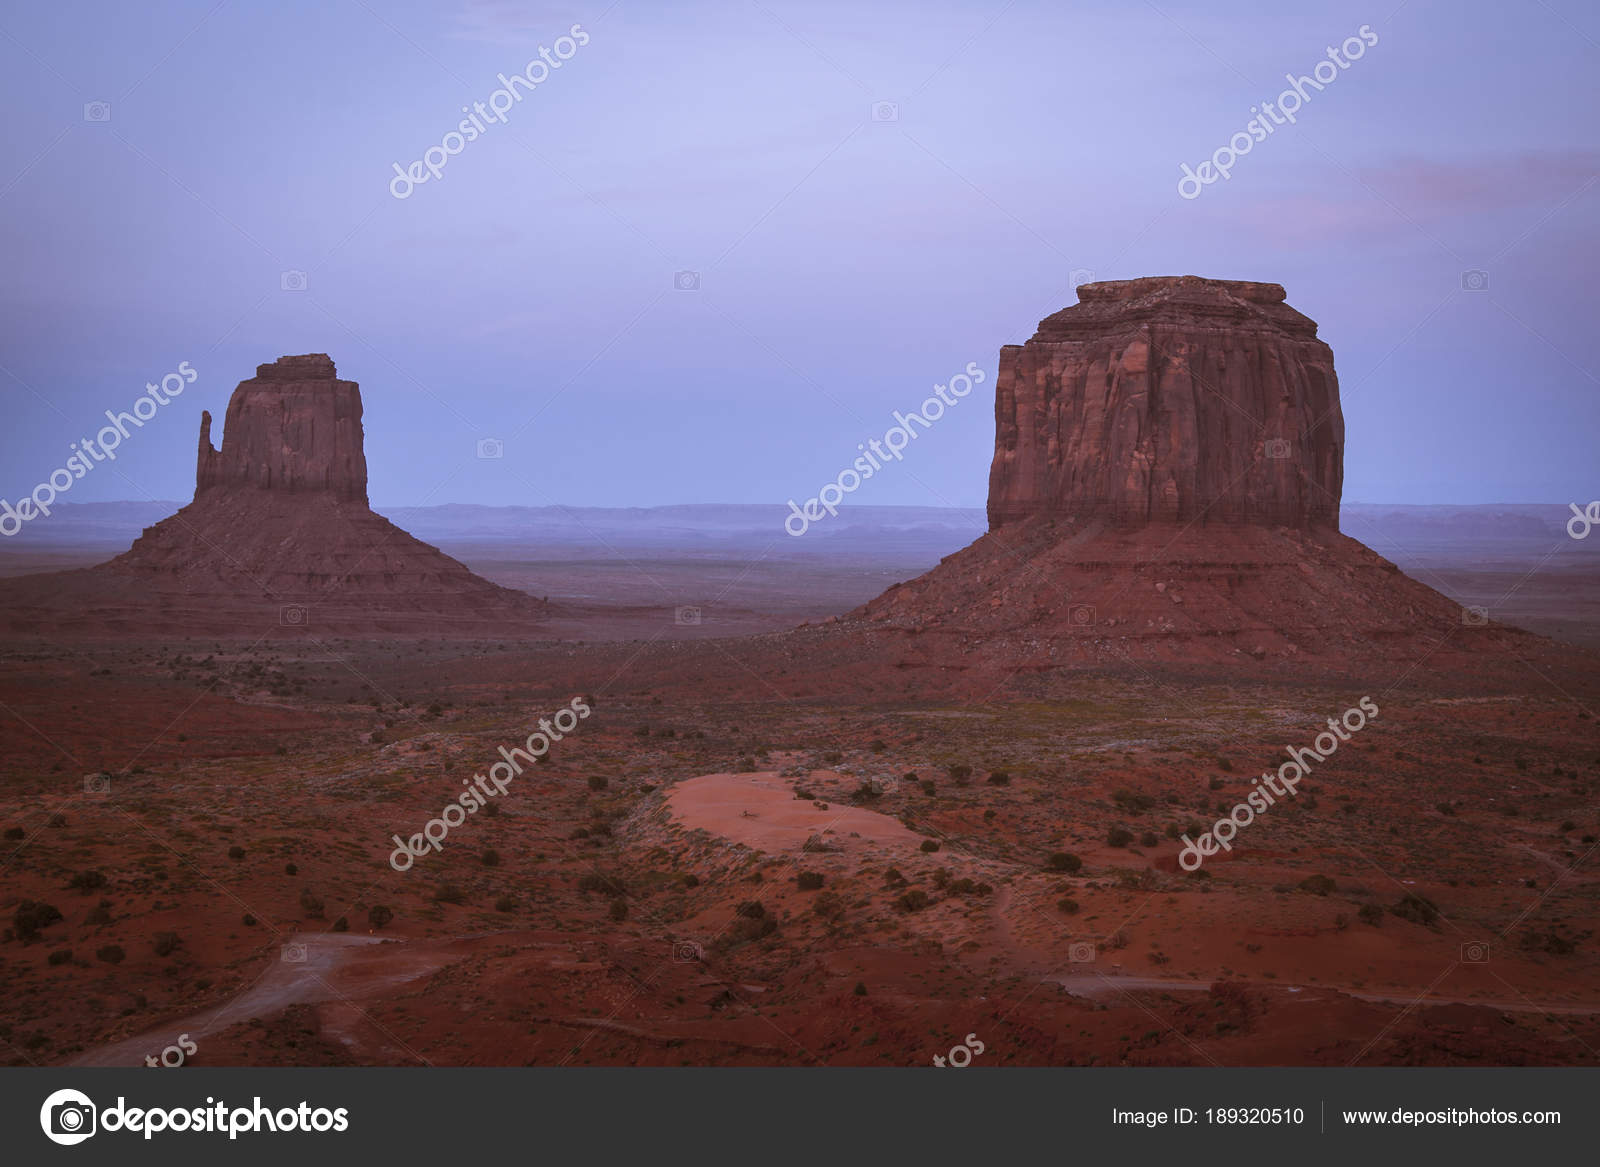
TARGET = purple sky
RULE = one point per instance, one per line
(846, 262)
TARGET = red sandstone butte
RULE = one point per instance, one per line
(292, 427)
(279, 539)
(1165, 487)
(1170, 399)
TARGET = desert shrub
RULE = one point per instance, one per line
(310, 904)
(745, 929)
(15, 833)
(1370, 914)
(618, 910)
(490, 857)
(690, 879)
(832, 757)
(893, 878)
(865, 791)
(930, 845)
(32, 916)
(341, 925)
(1445, 808)
(111, 954)
(861, 989)
(449, 893)
(829, 905)
(58, 820)
(751, 910)
(1119, 836)
(1567, 826)
(1068, 905)
(878, 745)
(1215, 784)
(999, 778)
(1063, 861)
(1318, 885)
(746, 765)
(378, 916)
(236, 852)
(1552, 942)
(1131, 802)
(60, 956)
(99, 915)
(290, 869)
(505, 904)
(1417, 909)
(606, 885)
(166, 943)
(598, 782)
(959, 773)
(808, 880)
(87, 881)
(912, 901)
(929, 788)
(1149, 839)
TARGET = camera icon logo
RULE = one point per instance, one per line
(1081, 952)
(293, 954)
(889, 785)
(1278, 449)
(1475, 617)
(292, 615)
(97, 111)
(292, 281)
(68, 1117)
(1475, 281)
(885, 111)
(686, 281)
(1081, 615)
(97, 783)
(687, 952)
(687, 616)
(1475, 952)
(491, 448)
(1079, 276)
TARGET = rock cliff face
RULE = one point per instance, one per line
(292, 427)
(1170, 399)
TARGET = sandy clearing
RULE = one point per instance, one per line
(760, 811)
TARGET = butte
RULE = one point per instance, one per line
(1166, 482)
(279, 539)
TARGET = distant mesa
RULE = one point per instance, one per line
(279, 538)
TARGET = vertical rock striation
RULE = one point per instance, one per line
(293, 427)
(1170, 399)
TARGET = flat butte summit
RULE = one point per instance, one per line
(279, 539)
